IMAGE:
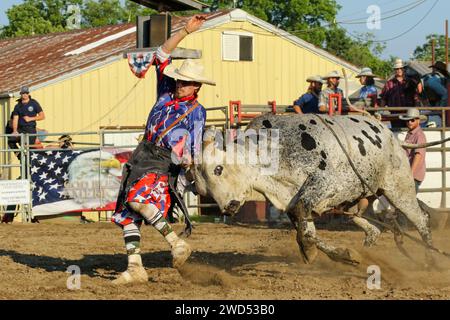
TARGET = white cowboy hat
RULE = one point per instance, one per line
(413, 113)
(332, 74)
(315, 78)
(398, 64)
(365, 72)
(189, 71)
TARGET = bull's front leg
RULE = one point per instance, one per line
(309, 242)
(306, 231)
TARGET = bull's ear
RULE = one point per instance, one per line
(209, 137)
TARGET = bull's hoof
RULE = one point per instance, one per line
(372, 237)
(135, 274)
(347, 256)
(309, 253)
(180, 253)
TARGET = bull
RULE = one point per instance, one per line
(324, 163)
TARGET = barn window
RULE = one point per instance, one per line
(237, 46)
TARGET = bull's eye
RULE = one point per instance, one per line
(218, 170)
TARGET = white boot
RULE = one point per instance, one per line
(135, 272)
(180, 250)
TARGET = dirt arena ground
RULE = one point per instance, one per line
(229, 262)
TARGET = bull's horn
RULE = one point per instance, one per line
(209, 137)
(422, 145)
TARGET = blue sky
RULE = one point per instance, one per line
(390, 27)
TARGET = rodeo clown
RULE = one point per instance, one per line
(173, 136)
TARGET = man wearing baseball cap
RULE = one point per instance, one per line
(24, 116)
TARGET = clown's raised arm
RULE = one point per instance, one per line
(166, 84)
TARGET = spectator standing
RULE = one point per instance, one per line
(415, 135)
(399, 91)
(24, 116)
(435, 88)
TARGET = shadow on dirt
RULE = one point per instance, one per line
(90, 265)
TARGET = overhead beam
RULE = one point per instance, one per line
(172, 5)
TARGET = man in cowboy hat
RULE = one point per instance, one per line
(435, 85)
(400, 90)
(367, 80)
(415, 135)
(172, 137)
(332, 80)
(309, 102)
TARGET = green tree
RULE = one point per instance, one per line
(307, 19)
(36, 17)
(27, 21)
(423, 52)
(132, 9)
(361, 51)
(314, 21)
(311, 20)
(45, 16)
(102, 12)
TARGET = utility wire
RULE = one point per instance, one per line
(340, 23)
(364, 11)
(364, 21)
(401, 34)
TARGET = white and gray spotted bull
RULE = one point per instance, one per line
(314, 176)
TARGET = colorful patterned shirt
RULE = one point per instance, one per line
(185, 137)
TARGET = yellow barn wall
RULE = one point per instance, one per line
(112, 95)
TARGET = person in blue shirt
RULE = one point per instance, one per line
(435, 87)
(368, 90)
(437, 83)
(24, 116)
(309, 102)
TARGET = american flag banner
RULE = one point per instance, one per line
(71, 180)
(140, 62)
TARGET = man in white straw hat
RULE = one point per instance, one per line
(332, 80)
(309, 102)
(415, 135)
(172, 136)
(367, 80)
